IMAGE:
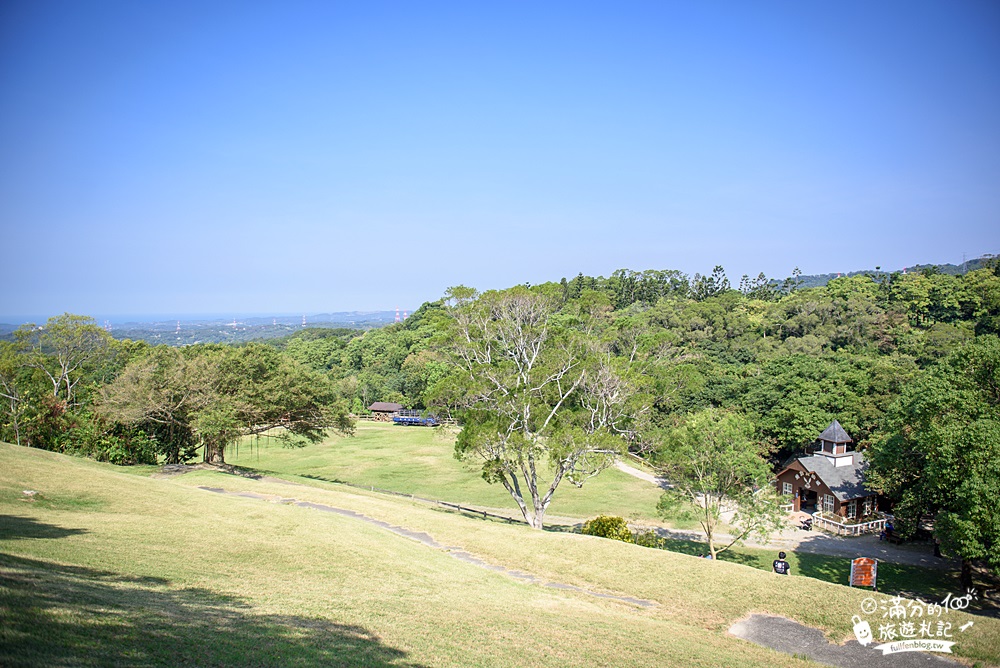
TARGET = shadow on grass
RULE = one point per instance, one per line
(60, 615)
(335, 481)
(14, 526)
(562, 528)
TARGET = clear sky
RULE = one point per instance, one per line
(259, 157)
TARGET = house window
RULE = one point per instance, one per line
(827, 503)
(786, 488)
(868, 505)
(852, 509)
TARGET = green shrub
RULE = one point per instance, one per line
(608, 527)
(649, 538)
(119, 445)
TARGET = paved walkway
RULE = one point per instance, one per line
(642, 475)
(790, 637)
(813, 542)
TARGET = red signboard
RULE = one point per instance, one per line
(864, 571)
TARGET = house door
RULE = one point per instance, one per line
(809, 500)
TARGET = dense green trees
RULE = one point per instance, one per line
(68, 386)
(939, 453)
(161, 392)
(790, 359)
(216, 395)
(863, 337)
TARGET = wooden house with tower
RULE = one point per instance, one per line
(829, 478)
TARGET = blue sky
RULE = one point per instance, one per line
(285, 157)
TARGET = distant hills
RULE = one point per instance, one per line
(219, 329)
(239, 330)
(189, 330)
(819, 280)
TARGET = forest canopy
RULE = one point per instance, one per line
(790, 358)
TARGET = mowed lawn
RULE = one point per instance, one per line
(420, 461)
(106, 567)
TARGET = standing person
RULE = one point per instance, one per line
(781, 566)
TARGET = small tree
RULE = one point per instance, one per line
(64, 349)
(259, 389)
(712, 462)
(10, 391)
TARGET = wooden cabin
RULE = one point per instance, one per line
(383, 411)
(830, 477)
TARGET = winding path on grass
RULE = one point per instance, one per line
(427, 540)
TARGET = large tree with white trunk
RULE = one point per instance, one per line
(544, 400)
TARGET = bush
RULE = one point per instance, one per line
(128, 450)
(649, 538)
(119, 445)
(614, 528)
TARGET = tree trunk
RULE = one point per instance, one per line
(173, 453)
(710, 537)
(539, 513)
(966, 577)
(13, 416)
(708, 523)
(515, 492)
(213, 453)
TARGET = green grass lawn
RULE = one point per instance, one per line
(110, 568)
(420, 461)
(926, 583)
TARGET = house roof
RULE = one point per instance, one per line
(846, 482)
(835, 433)
(385, 407)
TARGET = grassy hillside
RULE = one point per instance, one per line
(420, 461)
(107, 567)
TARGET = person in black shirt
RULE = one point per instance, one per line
(781, 566)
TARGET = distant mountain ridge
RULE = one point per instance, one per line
(819, 280)
(219, 329)
(187, 330)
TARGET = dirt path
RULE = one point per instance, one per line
(426, 539)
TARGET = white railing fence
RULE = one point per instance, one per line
(847, 529)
